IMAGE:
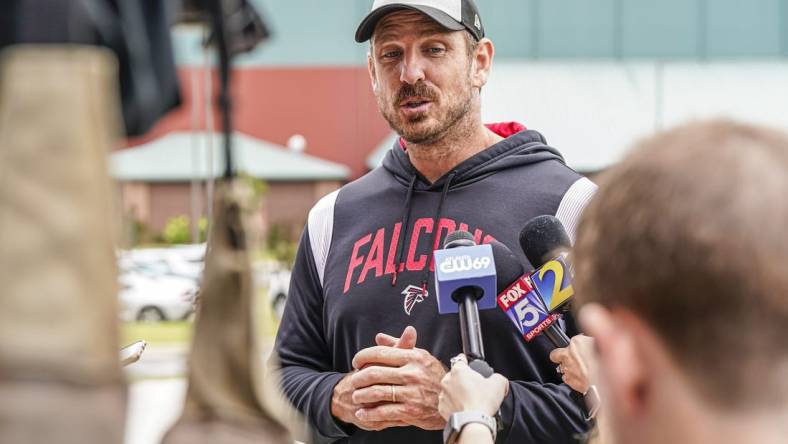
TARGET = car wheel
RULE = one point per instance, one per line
(279, 305)
(150, 314)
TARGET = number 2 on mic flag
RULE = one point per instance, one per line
(553, 282)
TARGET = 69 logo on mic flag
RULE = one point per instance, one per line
(463, 263)
(472, 266)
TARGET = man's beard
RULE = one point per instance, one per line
(412, 129)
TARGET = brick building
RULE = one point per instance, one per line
(155, 179)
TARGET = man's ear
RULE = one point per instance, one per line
(372, 74)
(482, 62)
(622, 368)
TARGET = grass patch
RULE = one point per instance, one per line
(165, 333)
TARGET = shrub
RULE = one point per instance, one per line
(177, 230)
(202, 226)
(280, 246)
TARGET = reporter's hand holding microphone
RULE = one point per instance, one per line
(464, 390)
(576, 363)
(467, 391)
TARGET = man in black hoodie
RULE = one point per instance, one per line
(363, 269)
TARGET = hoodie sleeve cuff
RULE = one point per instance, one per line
(507, 414)
(324, 421)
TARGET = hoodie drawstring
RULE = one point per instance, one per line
(436, 229)
(403, 228)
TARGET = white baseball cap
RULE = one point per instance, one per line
(454, 15)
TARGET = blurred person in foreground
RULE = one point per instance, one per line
(682, 276)
(363, 272)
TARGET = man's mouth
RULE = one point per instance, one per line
(414, 103)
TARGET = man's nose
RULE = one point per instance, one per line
(412, 69)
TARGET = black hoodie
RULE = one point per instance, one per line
(345, 287)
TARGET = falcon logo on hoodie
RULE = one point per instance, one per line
(413, 294)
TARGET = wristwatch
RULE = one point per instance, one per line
(593, 402)
(458, 420)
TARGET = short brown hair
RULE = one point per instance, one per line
(690, 233)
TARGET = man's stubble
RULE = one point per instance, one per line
(454, 118)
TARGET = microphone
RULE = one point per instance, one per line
(546, 244)
(518, 298)
(465, 281)
(541, 237)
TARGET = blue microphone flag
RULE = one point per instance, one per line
(471, 266)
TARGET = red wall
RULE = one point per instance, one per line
(332, 107)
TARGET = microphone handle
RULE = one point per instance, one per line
(481, 367)
(557, 336)
(470, 328)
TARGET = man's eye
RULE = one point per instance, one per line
(436, 50)
(391, 54)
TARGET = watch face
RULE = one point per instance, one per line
(451, 432)
(459, 419)
(592, 400)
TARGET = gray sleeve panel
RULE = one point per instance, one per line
(321, 227)
(573, 203)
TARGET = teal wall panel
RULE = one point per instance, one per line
(313, 32)
(784, 28)
(320, 32)
(738, 28)
(576, 28)
(664, 28)
(511, 27)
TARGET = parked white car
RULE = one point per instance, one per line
(278, 284)
(160, 283)
(275, 278)
(186, 261)
(150, 299)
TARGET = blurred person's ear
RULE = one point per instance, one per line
(621, 367)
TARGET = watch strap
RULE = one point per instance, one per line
(459, 420)
(593, 401)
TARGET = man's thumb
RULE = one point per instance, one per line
(408, 338)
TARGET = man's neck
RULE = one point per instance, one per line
(704, 425)
(765, 427)
(434, 160)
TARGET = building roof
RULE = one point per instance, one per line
(332, 107)
(183, 156)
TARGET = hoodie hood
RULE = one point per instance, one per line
(519, 147)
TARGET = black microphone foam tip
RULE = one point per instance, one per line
(541, 237)
(507, 266)
(459, 238)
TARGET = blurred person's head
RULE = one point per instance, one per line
(428, 61)
(683, 255)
